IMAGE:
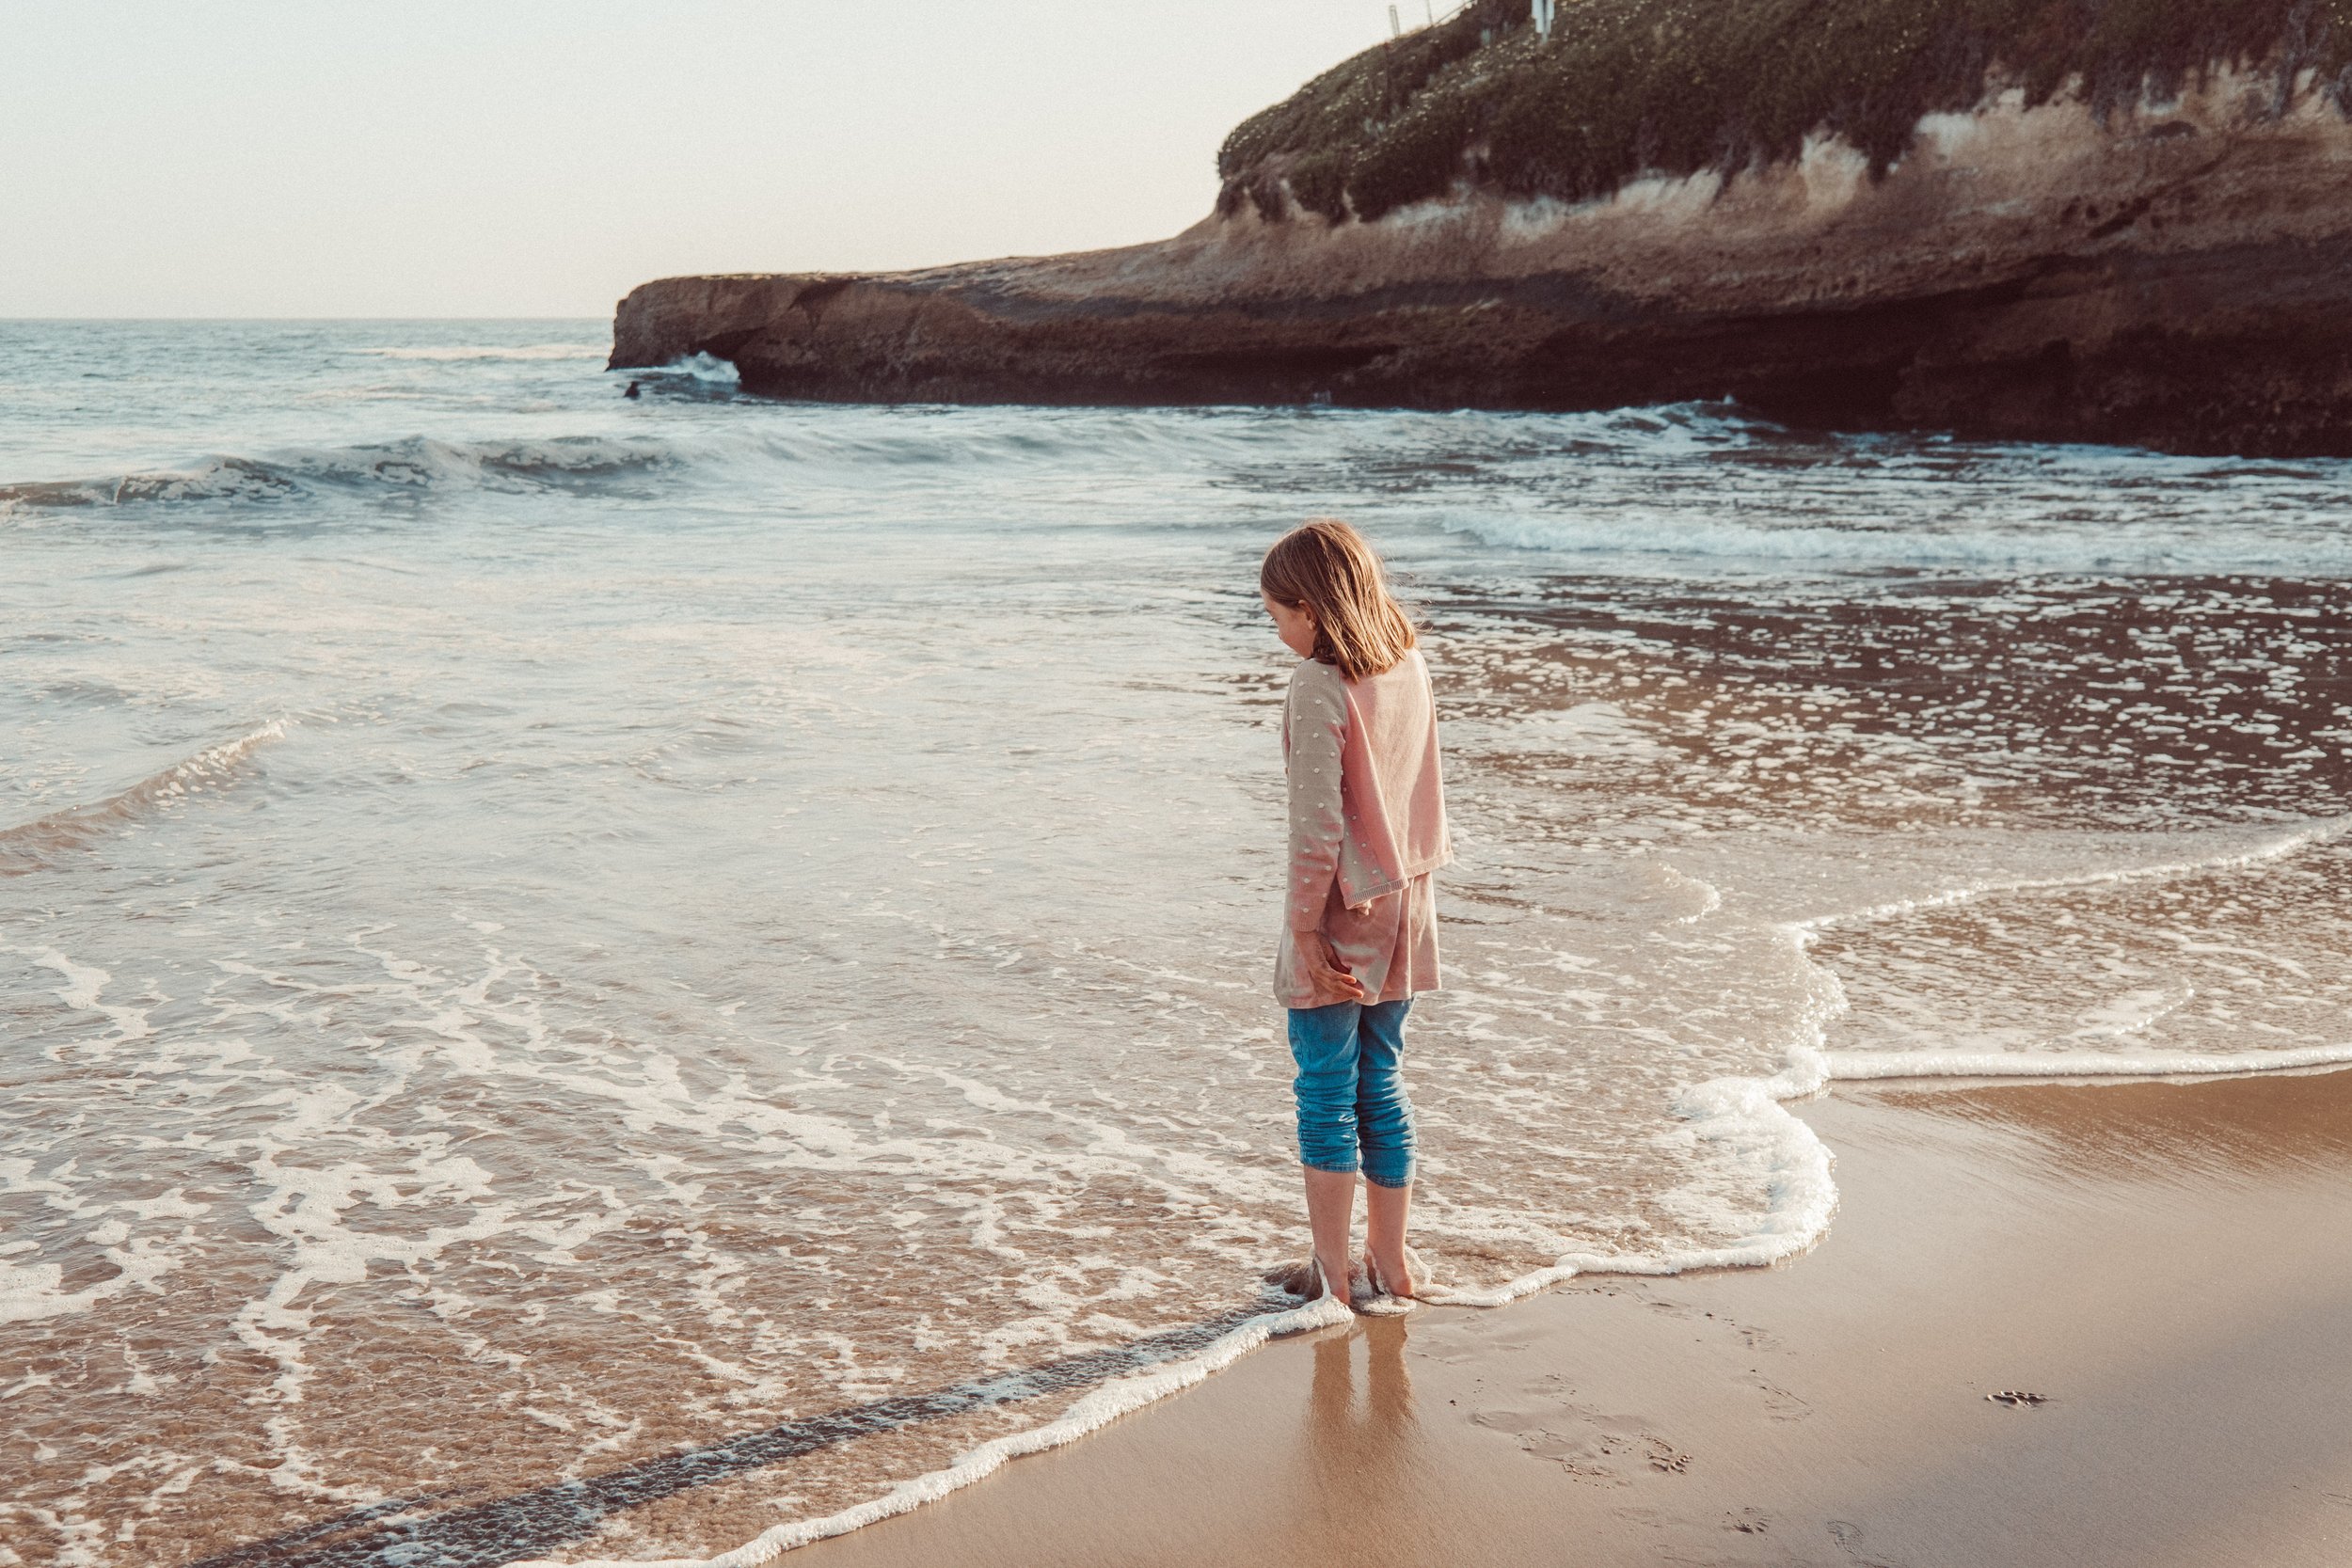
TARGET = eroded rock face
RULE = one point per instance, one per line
(2176, 278)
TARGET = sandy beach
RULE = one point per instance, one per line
(2168, 1265)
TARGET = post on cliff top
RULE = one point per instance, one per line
(1397, 29)
(1542, 12)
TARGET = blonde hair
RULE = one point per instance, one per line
(1328, 567)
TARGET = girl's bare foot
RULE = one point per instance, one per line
(1394, 1278)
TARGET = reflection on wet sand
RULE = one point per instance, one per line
(1360, 1450)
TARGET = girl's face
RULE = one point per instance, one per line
(1294, 626)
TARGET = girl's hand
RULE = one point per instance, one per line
(1331, 983)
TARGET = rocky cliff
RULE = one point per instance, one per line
(2060, 238)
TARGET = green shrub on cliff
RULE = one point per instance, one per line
(1625, 88)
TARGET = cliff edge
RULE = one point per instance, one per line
(2106, 220)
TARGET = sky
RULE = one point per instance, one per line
(540, 157)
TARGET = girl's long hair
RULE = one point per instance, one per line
(1328, 567)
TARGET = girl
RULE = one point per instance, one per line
(1367, 830)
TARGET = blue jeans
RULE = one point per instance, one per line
(1351, 1089)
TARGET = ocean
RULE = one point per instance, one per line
(624, 979)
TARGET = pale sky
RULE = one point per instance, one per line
(538, 157)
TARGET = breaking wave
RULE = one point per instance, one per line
(408, 467)
(34, 846)
(1631, 490)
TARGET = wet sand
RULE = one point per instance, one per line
(2168, 1265)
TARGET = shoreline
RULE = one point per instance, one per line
(2162, 1261)
(1775, 1113)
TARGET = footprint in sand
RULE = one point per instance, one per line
(1594, 1446)
(1849, 1536)
(1779, 1403)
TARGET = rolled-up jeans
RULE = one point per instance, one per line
(1353, 1113)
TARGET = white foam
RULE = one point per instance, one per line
(83, 982)
(703, 367)
(1862, 1065)
(84, 989)
(30, 1291)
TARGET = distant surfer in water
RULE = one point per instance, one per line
(1359, 940)
(632, 390)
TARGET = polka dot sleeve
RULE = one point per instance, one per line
(1315, 732)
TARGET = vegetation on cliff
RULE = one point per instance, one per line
(1628, 87)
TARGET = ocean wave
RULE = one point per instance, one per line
(1638, 489)
(866, 448)
(34, 846)
(416, 465)
(694, 367)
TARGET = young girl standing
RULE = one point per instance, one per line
(1367, 832)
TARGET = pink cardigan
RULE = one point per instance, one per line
(1367, 819)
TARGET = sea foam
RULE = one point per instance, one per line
(1749, 1116)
